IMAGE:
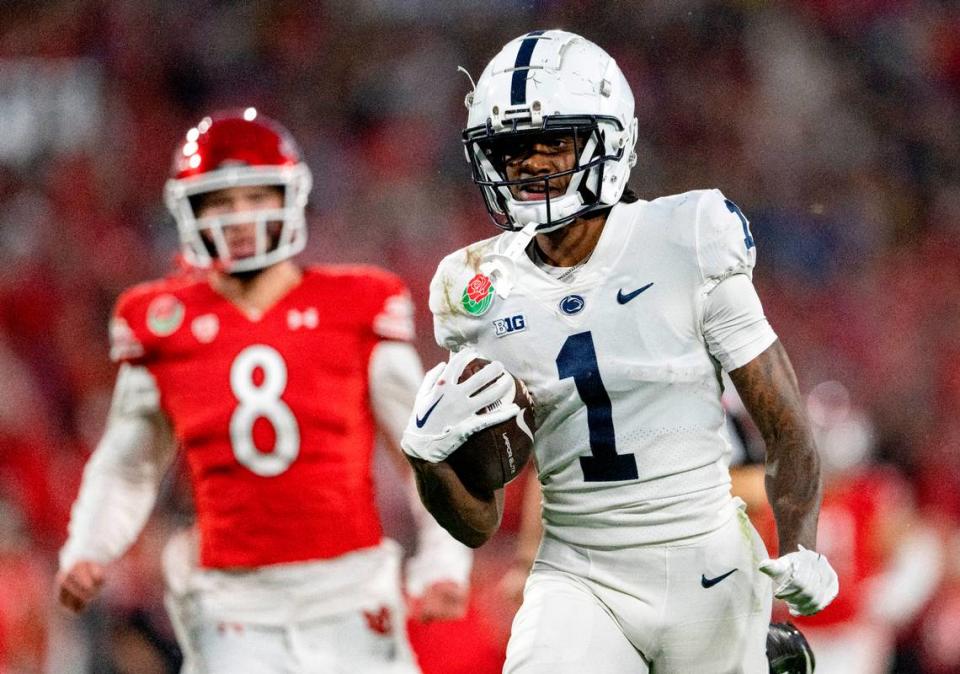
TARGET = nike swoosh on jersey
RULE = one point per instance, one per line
(710, 582)
(623, 298)
(426, 415)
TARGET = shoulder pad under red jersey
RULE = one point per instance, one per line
(144, 314)
(377, 298)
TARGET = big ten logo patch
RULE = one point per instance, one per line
(509, 325)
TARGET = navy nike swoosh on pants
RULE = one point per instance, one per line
(710, 582)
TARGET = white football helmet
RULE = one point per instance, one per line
(551, 82)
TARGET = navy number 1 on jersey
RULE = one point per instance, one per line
(578, 359)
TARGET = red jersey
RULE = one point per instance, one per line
(273, 413)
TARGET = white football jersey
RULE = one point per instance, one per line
(629, 446)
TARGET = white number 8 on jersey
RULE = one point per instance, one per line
(263, 401)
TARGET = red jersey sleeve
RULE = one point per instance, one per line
(142, 317)
(128, 341)
(389, 308)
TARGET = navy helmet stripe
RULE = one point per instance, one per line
(518, 85)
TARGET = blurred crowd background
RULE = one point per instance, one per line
(835, 125)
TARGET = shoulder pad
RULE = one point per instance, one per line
(144, 314)
(457, 296)
(725, 245)
(371, 295)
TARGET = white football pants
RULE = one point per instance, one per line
(337, 645)
(264, 622)
(700, 606)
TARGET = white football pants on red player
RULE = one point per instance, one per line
(340, 616)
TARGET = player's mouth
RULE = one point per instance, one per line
(242, 247)
(537, 193)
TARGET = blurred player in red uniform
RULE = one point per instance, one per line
(272, 379)
(889, 562)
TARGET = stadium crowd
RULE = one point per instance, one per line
(835, 126)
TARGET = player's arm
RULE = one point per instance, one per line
(445, 414)
(769, 389)
(471, 518)
(437, 576)
(735, 330)
(738, 336)
(119, 487)
(447, 411)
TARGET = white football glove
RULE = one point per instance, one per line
(803, 579)
(446, 413)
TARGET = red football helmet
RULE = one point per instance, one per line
(235, 149)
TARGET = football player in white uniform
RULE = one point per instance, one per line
(619, 315)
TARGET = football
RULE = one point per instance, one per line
(490, 458)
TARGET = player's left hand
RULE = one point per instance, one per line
(803, 579)
(80, 584)
(444, 600)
